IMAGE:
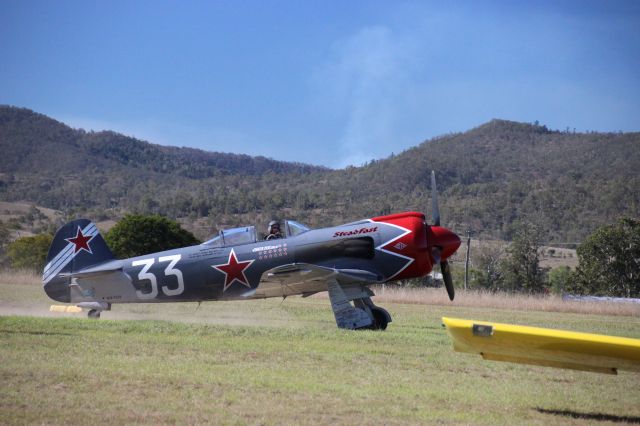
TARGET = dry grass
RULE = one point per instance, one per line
(20, 277)
(485, 299)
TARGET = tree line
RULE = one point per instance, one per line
(608, 264)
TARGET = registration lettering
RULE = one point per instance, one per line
(358, 231)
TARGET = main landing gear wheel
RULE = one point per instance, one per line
(94, 314)
(380, 318)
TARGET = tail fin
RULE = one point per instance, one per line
(77, 245)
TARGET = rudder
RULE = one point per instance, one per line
(77, 245)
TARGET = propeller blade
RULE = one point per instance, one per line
(435, 210)
(444, 234)
(448, 281)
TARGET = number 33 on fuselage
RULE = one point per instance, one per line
(343, 260)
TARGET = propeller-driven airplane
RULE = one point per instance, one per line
(343, 260)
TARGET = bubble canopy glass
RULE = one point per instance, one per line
(247, 234)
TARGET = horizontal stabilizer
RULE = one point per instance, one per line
(545, 346)
(95, 271)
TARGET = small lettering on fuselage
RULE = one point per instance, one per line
(267, 248)
(355, 232)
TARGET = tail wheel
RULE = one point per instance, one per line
(94, 313)
(380, 318)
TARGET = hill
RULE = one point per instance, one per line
(106, 173)
(488, 177)
(501, 171)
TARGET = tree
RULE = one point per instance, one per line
(609, 261)
(29, 252)
(521, 268)
(135, 235)
(488, 260)
(560, 279)
(5, 234)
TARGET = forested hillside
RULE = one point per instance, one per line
(488, 177)
(501, 171)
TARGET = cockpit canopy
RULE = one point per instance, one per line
(248, 234)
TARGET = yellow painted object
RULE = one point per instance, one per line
(65, 308)
(545, 346)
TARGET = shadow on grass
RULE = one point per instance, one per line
(591, 416)
(37, 333)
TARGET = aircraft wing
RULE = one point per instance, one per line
(545, 346)
(297, 272)
(307, 279)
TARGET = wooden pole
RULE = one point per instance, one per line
(466, 263)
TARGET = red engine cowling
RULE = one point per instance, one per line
(412, 244)
(446, 241)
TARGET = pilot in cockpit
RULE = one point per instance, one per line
(274, 231)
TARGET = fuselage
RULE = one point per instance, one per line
(387, 247)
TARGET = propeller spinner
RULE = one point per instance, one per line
(443, 242)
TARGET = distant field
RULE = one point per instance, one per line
(27, 219)
(12, 210)
(550, 256)
(284, 362)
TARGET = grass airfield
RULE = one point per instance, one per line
(285, 362)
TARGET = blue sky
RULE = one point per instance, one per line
(331, 83)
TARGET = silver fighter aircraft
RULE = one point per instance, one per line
(343, 260)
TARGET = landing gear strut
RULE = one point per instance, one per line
(362, 314)
(95, 308)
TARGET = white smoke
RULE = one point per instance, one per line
(365, 81)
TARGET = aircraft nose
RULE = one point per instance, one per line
(446, 239)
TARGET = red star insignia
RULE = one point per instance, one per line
(234, 271)
(81, 241)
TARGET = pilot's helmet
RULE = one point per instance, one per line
(272, 224)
